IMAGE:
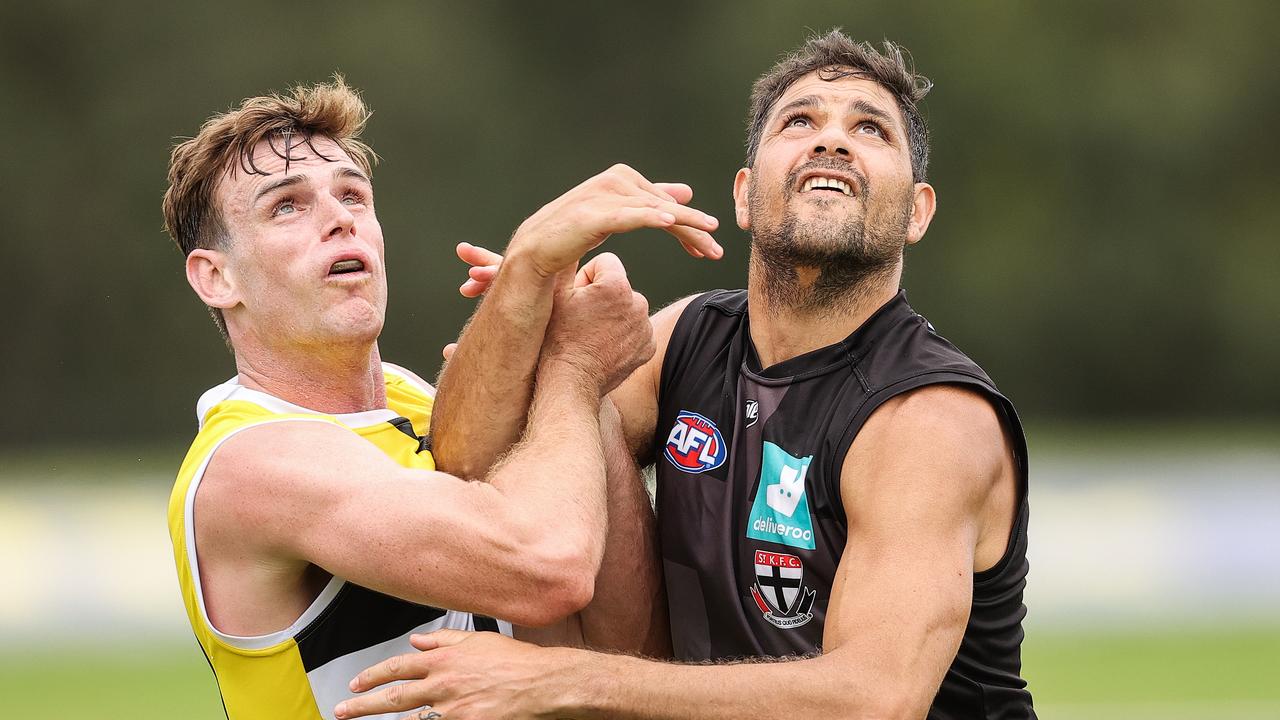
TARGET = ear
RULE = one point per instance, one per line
(741, 191)
(209, 275)
(922, 208)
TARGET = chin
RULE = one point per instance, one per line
(355, 325)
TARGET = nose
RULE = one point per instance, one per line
(831, 141)
(340, 220)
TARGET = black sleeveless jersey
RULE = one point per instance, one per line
(751, 522)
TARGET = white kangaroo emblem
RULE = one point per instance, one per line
(786, 495)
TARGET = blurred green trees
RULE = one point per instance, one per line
(1105, 174)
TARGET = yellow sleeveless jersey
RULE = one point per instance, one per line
(302, 672)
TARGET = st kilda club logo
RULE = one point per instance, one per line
(694, 444)
(779, 590)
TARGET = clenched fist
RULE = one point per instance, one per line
(600, 326)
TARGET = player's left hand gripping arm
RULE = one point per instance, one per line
(915, 486)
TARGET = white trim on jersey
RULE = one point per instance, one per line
(410, 377)
(233, 390)
(245, 642)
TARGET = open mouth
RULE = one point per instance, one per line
(827, 185)
(346, 267)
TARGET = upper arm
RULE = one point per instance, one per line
(318, 493)
(914, 484)
(637, 397)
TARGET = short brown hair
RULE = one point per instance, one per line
(834, 56)
(226, 143)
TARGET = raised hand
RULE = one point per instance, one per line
(617, 200)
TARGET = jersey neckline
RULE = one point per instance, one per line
(232, 389)
(825, 359)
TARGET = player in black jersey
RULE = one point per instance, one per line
(841, 492)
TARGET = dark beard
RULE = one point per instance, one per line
(850, 259)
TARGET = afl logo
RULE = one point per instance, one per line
(694, 444)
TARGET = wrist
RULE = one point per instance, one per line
(567, 376)
(583, 687)
(524, 258)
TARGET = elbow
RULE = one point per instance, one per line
(458, 464)
(561, 599)
(564, 582)
(569, 583)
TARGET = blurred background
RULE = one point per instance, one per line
(1104, 247)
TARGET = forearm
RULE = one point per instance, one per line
(555, 474)
(629, 609)
(627, 688)
(485, 389)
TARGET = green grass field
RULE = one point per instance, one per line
(1218, 674)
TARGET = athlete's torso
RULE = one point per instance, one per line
(301, 672)
(751, 521)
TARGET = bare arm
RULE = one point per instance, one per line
(525, 546)
(629, 609)
(298, 493)
(485, 386)
(916, 484)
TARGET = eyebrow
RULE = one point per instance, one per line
(870, 110)
(802, 102)
(291, 180)
(284, 182)
(350, 172)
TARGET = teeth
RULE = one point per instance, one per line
(822, 182)
(346, 266)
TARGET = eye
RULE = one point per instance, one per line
(284, 207)
(353, 198)
(869, 128)
(797, 120)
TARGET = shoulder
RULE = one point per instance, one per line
(271, 469)
(941, 438)
(942, 411)
(907, 346)
(726, 302)
(698, 316)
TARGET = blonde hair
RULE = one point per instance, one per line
(226, 142)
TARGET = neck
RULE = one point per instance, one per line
(794, 315)
(336, 380)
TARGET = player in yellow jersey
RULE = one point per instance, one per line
(312, 532)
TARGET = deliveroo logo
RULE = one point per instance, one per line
(780, 512)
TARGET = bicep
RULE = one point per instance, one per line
(321, 494)
(637, 397)
(913, 484)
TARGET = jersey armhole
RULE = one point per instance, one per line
(253, 644)
(1008, 418)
